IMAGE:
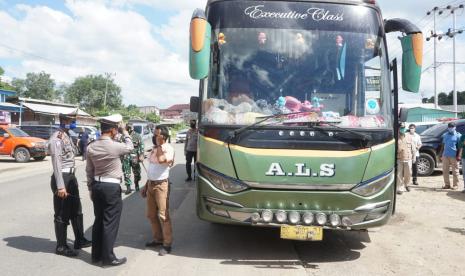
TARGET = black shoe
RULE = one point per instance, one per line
(115, 262)
(96, 260)
(65, 251)
(82, 243)
(415, 183)
(189, 179)
(137, 188)
(153, 244)
(128, 191)
(407, 189)
(164, 250)
(399, 192)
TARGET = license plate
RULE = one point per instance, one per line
(303, 233)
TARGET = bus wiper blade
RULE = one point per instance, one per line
(233, 134)
(365, 138)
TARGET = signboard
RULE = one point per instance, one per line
(5, 117)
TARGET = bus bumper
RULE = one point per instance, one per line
(243, 208)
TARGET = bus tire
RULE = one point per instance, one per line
(22, 155)
(425, 164)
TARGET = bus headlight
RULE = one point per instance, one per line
(267, 216)
(281, 216)
(307, 218)
(222, 182)
(374, 185)
(335, 220)
(294, 217)
(321, 218)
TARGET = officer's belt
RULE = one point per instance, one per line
(107, 179)
(68, 170)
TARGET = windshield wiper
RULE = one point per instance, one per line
(365, 138)
(233, 134)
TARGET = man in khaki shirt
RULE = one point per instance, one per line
(405, 154)
(104, 176)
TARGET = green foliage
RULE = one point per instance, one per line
(130, 112)
(89, 93)
(153, 118)
(36, 85)
(447, 98)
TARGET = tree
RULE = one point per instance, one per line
(89, 93)
(152, 117)
(4, 85)
(36, 85)
(131, 112)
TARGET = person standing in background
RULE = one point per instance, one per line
(449, 155)
(405, 155)
(190, 148)
(417, 143)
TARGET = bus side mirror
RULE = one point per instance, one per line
(200, 39)
(412, 60)
(195, 104)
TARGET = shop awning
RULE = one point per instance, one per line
(9, 107)
(54, 109)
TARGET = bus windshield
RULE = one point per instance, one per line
(314, 73)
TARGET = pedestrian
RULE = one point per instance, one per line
(66, 201)
(190, 148)
(104, 177)
(157, 191)
(405, 155)
(169, 132)
(462, 155)
(417, 143)
(132, 160)
(83, 141)
(449, 155)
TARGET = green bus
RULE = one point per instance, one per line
(297, 113)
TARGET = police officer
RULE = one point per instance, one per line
(66, 201)
(132, 160)
(104, 176)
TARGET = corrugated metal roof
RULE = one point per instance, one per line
(51, 109)
(9, 107)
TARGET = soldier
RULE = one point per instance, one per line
(104, 177)
(133, 160)
(66, 201)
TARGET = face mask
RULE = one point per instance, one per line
(402, 130)
(72, 125)
(451, 129)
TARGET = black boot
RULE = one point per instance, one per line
(62, 248)
(128, 190)
(137, 186)
(78, 227)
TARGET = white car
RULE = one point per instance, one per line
(181, 136)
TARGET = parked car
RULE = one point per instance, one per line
(181, 136)
(18, 144)
(91, 131)
(45, 131)
(431, 140)
(420, 127)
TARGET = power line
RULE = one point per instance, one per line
(34, 55)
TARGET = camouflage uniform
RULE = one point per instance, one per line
(132, 161)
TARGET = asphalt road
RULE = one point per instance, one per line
(426, 237)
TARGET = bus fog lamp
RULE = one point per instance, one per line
(346, 222)
(335, 220)
(281, 216)
(307, 218)
(321, 218)
(255, 217)
(294, 217)
(267, 216)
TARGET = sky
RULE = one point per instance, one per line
(144, 44)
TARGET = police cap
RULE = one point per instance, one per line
(109, 122)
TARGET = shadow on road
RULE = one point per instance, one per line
(40, 245)
(460, 231)
(456, 195)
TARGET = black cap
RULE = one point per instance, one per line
(451, 124)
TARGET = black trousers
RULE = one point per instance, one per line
(108, 206)
(189, 156)
(414, 172)
(69, 207)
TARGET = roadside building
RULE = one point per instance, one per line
(149, 109)
(7, 110)
(423, 113)
(41, 112)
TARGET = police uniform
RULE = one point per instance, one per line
(131, 161)
(62, 152)
(104, 176)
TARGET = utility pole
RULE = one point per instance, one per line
(108, 75)
(434, 35)
(452, 33)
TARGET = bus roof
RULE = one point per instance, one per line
(371, 2)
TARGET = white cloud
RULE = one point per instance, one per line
(97, 38)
